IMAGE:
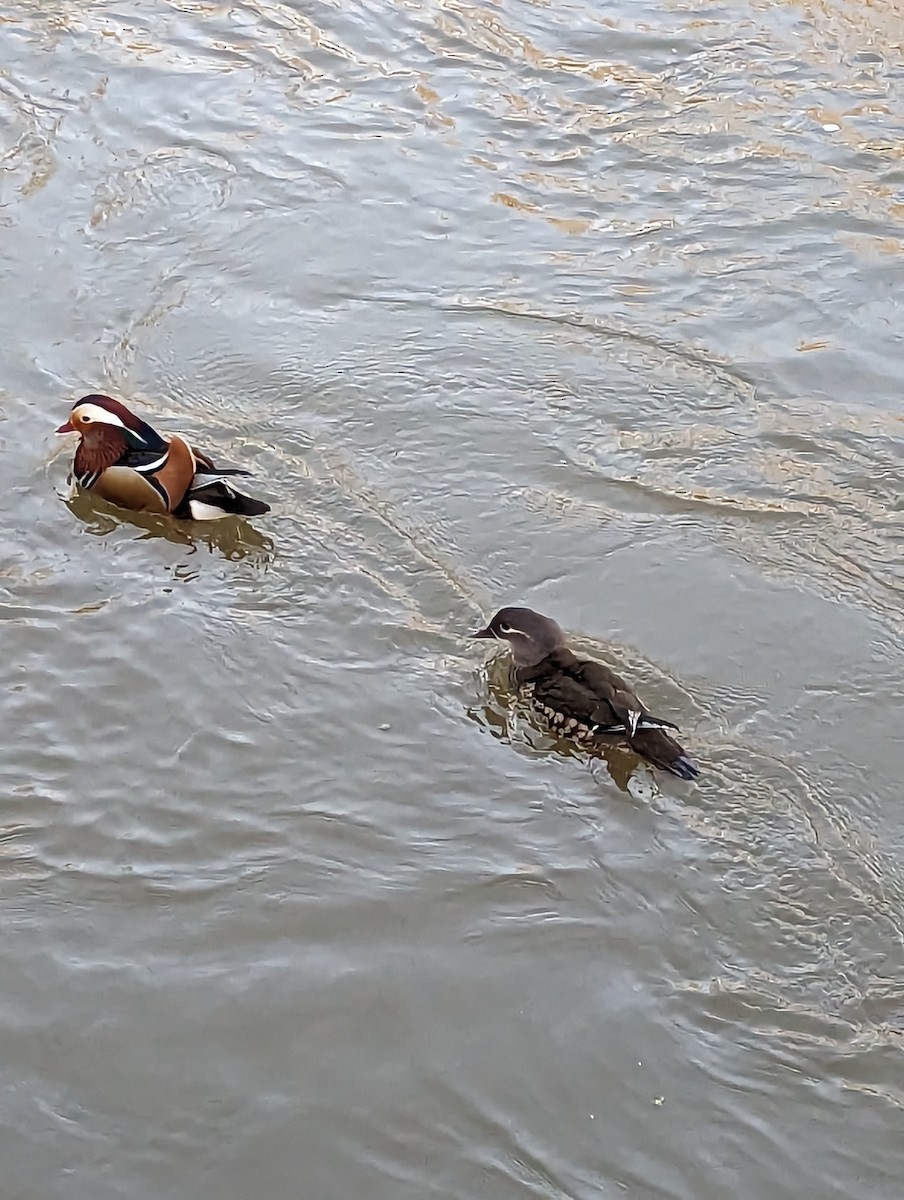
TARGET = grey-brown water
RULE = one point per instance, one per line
(595, 307)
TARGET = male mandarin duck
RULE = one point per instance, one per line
(579, 698)
(125, 461)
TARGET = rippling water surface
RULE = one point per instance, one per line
(594, 306)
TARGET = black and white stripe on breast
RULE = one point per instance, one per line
(88, 479)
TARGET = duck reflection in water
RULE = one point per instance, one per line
(235, 539)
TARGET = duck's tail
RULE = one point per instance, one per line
(683, 767)
(663, 751)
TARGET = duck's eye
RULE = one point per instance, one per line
(506, 629)
(86, 420)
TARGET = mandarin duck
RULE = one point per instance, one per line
(579, 698)
(126, 462)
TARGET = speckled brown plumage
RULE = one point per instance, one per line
(580, 698)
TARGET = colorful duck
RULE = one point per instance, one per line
(126, 462)
(580, 698)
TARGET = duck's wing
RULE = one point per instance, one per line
(143, 460)
(565, 697)
(645, 734)
(621, 698)
(577, 693)
(189, 484)
(211, 497)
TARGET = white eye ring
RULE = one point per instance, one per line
(506, 629)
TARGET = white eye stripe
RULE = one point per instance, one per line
(94, 412)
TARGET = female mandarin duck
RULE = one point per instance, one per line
(128, 463)
(580, 698)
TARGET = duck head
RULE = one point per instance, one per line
(101, 419)
(530, 635)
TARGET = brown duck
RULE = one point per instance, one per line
(580, 698)
(126, 462)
